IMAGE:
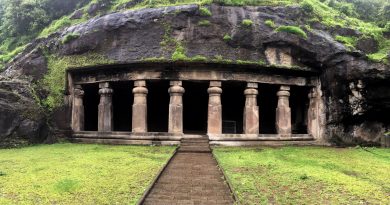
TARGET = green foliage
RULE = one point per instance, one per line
(70, 37)
(307, 6)
(227, 37)
(293, 30)
(79, 173)
(382, 54)
(5, 58)
(179, 54)
(347, 41)
(204, 23)
(199, 58)
(204, 11)
(270, 23)
(55, 26)
(54, 80)
(247, 22)
(306, 175)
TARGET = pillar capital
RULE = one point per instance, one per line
(252, 85)
(78, 91)
(140, 83)
(176, 90)
(251, 92)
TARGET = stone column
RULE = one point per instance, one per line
(139, 120)
(251, 110)
(175, 120)
(283, 112)
(214, 120)
(312, 114)
(105, 117)
(78, 109)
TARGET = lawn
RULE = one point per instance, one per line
(307, 175)
(78, 173)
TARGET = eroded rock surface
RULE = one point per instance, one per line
(153, 33)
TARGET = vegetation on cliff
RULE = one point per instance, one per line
(23, 20)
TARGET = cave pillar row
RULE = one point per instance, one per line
(78, 109)
(214, 115)
(175, 121)
(283, 112)
(251, 110)
(105, 116)
(139, 118)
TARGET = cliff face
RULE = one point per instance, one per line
(355, 90)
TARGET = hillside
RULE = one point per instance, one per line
(24, 20)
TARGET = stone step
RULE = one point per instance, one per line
(194, 144)
(194, 140)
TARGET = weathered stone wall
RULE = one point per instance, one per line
(155, 34)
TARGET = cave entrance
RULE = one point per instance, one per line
(195, 105)
(233, 102)
(122, 100)
(299, 104)
(267, 102)
(91, 103)
(158, 106)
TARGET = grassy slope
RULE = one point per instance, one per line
(308, 175)
(78, 173)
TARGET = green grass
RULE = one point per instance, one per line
(204, 23)
(204, 11)
(348, 41)
(247, 22)
(293, 30)
(307, 175)
(270, 23)
(78, 173)
(227, 38)
(70, 37)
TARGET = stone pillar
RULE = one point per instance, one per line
(312, 114)
(251, 110)
(214, 119)
(78, 109)
(139, 119)
(105, 117)
(175, 120)
(283, 112)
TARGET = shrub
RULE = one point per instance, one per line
(387, 27)
(199, 58)
(70, 37)
(227, 37)
(347, 41)
(247, 22)
(204, 23)
(307, 7)
(204, 11)
(179, 53)
(293, 30)
(270, 23)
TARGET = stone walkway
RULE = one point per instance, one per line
(192, 177)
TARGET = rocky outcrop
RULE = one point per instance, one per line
(355, 89)
(21, 119)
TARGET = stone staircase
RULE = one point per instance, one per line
(195, 144)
